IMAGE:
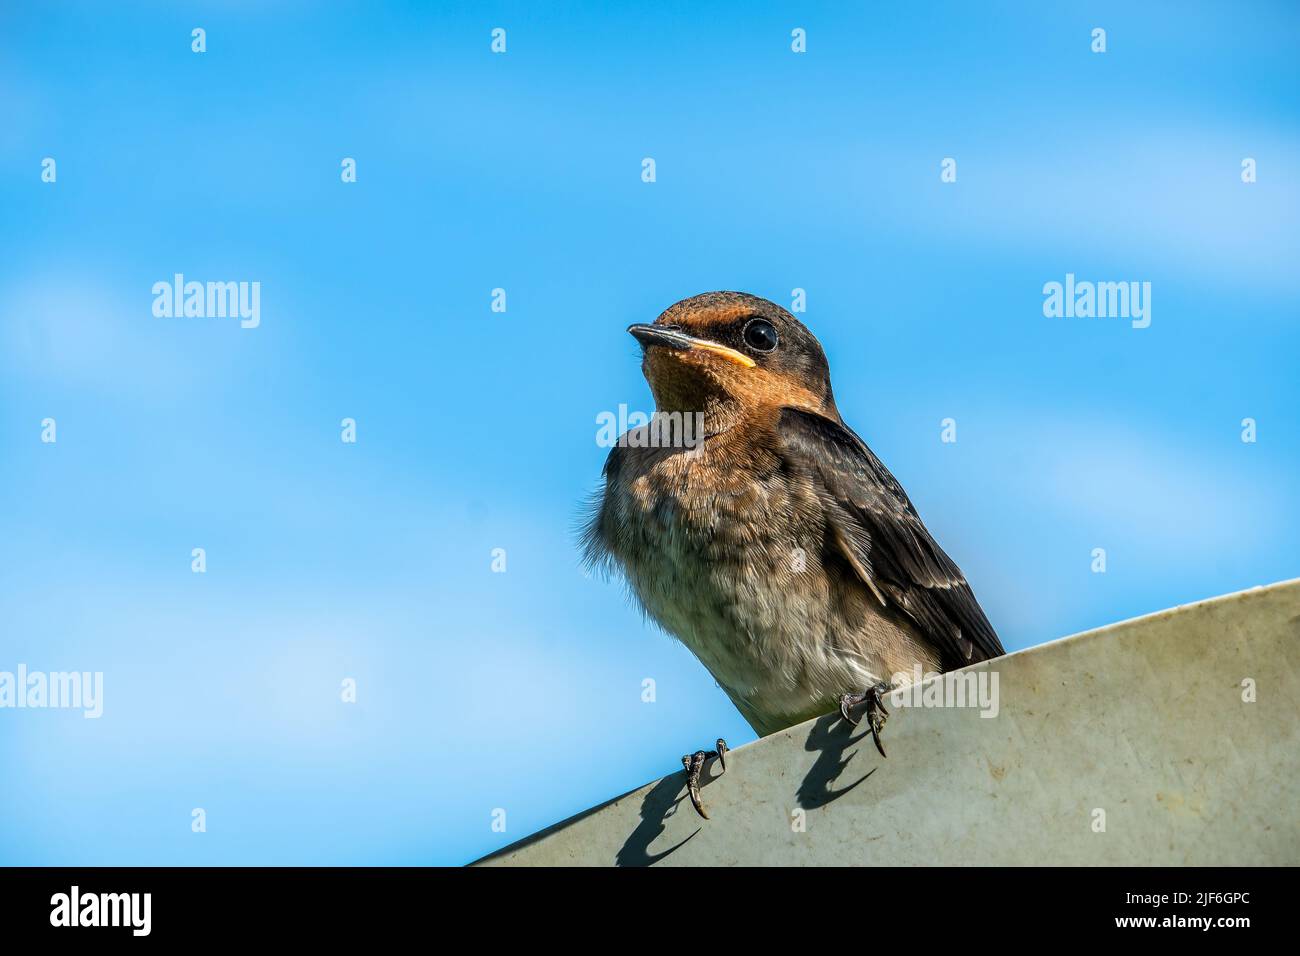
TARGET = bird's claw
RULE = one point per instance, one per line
(876, 714)
(694, 766)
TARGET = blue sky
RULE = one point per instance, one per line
(476, 430)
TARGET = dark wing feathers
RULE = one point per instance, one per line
(882, 537)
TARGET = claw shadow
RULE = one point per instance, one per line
(829, 740)
(661, 802)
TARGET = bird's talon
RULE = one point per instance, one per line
(694, 764)
(876, 713)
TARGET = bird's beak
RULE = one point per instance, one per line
(674, 338)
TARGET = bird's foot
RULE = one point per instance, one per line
(694, 765)
(876, 714)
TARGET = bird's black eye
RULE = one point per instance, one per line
(760, 335)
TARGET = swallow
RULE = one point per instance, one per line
(775, 544)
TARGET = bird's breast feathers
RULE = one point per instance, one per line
(728, 556)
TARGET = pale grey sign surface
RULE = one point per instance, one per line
(1164, 740)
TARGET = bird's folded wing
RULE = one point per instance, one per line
(880, 534)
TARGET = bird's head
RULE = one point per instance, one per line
(731, 346)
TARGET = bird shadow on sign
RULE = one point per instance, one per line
(829, 738)
(660, 803)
